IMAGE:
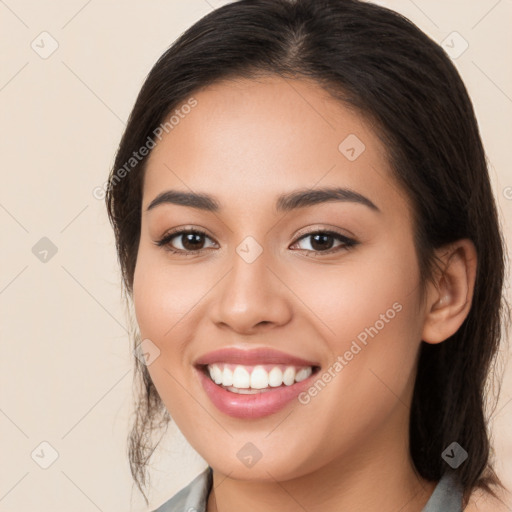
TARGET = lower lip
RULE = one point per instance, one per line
(255, 405)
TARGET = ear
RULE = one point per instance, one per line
(450, 296)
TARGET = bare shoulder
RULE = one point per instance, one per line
(482, 501)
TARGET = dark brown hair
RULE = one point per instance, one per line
(377, 62)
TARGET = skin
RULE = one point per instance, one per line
(246, 142)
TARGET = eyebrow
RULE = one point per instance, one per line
(301, 198)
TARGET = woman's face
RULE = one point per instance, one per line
(261, 283)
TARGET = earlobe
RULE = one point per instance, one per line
(450, 296)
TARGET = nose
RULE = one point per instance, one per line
(252, 296)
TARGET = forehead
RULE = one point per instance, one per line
(258, 138)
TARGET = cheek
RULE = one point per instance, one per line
(163, 295)
(351, 296)
(381, 313)
(370, 306)
(161, 305)
(167, 299)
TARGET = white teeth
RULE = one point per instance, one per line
(275, 377)
(289, 376)
(216, 374)
(227, 377)
(303, 373)
(258, 379)
(246, 391)
(241, 378)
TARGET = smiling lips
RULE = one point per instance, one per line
(253, 383)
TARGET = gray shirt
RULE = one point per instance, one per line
(447, 496)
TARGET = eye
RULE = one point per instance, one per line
(322, 242)
(190, 240)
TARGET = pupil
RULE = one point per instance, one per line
(189, 238)
(321, 245)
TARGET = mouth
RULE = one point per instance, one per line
(254, 391)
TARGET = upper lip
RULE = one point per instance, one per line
(255, 356)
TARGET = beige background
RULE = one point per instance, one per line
(65, 370)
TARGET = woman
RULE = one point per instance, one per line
(306, 227)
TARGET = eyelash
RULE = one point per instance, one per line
(164, 242)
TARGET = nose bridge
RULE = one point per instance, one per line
(251, 293)
(250, 263)
(250, 269)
